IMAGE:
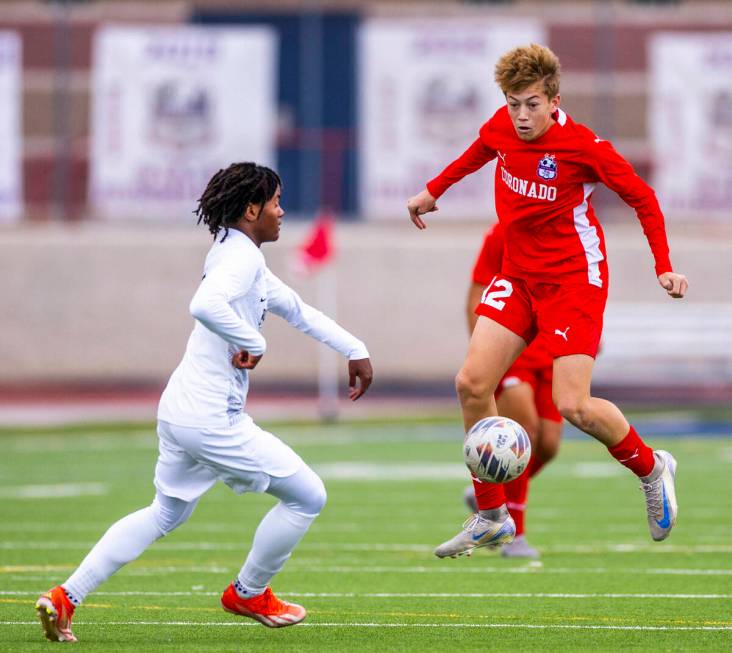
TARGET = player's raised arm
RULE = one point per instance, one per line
(618, 175)
(286, 303)
(474, 158)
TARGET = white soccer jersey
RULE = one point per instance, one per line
(236, 291)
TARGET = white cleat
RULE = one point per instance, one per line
(477, 532)
(660, 494)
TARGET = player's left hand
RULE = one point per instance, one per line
(674, 283)
(361, 370)
(243, 360)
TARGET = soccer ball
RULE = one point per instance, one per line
(497, 450)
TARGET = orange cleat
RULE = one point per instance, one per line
(55, 612)
(265, 608)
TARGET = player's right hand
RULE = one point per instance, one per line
(243, 360)
(419, 205)
(359, 370)
(674, 283)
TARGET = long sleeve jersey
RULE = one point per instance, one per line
(230, 305)
(543, 192)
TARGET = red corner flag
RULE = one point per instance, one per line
(317, 248)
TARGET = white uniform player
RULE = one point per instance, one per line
(204, 434)
(206, 394)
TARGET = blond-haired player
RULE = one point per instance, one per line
(554, 278)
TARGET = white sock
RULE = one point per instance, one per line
(123, 542)
(277, 535)
(302, 496)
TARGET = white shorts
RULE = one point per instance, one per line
(243, 456)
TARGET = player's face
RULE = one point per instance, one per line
(531, 111)
(270, 219)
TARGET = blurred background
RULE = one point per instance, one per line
(115, 114)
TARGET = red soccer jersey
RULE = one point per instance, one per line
(536, 356)
(543, 189)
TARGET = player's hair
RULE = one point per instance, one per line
(231, 190)
(523, 66)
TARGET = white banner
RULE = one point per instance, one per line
(11, 187)
(171, 105)
(690, 122)
(426, 87)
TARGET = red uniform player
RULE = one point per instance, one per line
(524, 394)
(554, 279)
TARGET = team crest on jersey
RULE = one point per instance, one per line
(547, 167)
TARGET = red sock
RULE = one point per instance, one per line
(488, 495)
(634, 454)
(535, 465)
(516, 492)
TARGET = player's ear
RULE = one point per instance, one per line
(554, 102)
(251, 213)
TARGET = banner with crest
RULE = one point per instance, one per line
(426, 87)
(170, 106)
(11, 186)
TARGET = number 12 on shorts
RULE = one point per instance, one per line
(496, 291)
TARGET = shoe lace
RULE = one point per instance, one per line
(470, 523)
(654, 496)
(269, 603)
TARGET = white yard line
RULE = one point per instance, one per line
(46, 545)
(444, 568)
(238, 624)
(418, 595)
(54, 491)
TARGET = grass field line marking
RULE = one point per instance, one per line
(325, 624)
(419, 595)
(458, 568)
(442, 569)
(53, 491)
(419, 471)
(396, 548)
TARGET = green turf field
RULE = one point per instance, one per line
(366, 571)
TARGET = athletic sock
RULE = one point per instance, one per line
(122, 543)
(488, 496)
(634, 454)
(276, 536)
(496, 514)
(246, 592)
(75, 601)
(516, 493)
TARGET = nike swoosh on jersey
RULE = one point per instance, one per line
(665, 521)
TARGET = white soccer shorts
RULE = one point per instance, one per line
(243, 456)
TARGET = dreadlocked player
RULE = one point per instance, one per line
(204, 434)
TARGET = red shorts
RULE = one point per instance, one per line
(567, 317)
(540, 380)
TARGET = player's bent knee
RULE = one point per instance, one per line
(468, 386)
(575, 412)
(315, 497)
(303, 492)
